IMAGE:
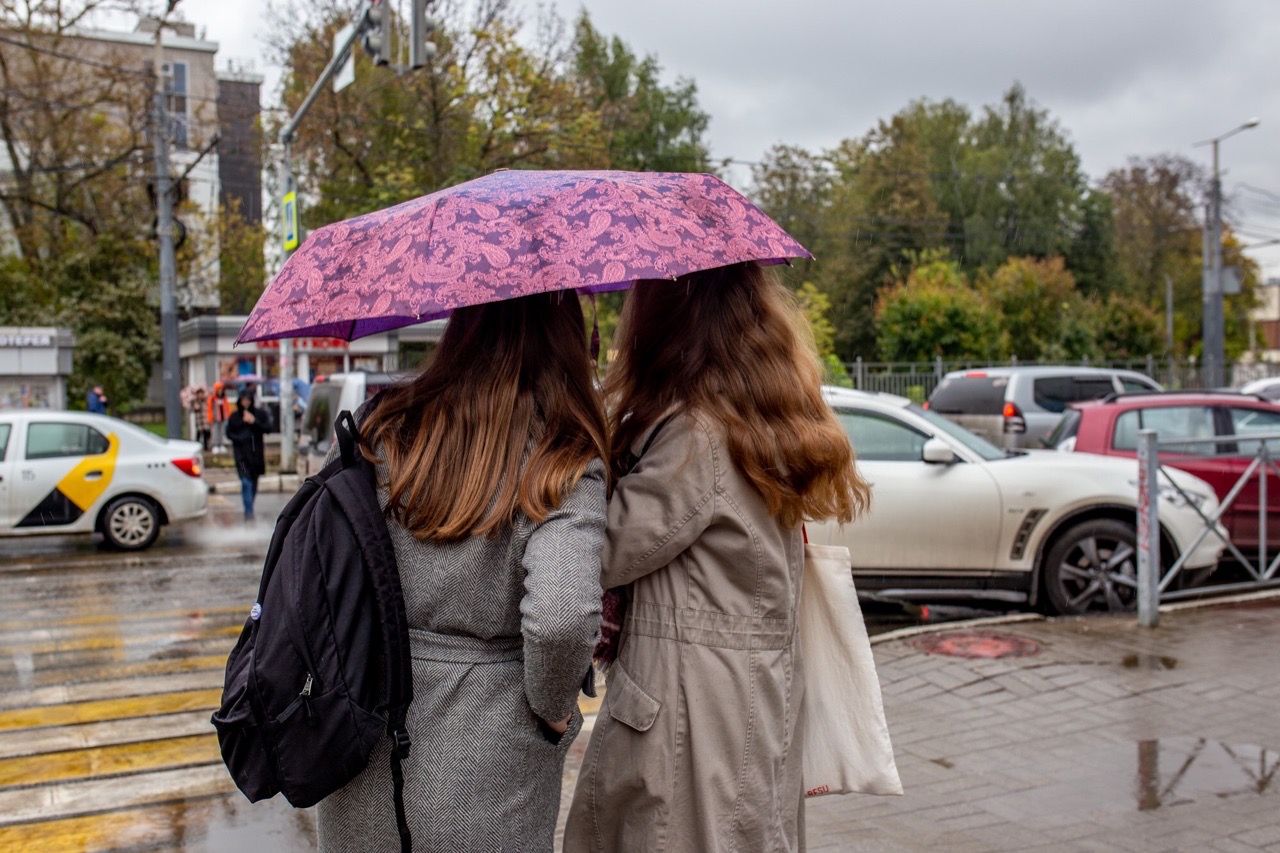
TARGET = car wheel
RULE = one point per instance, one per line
(1093, 568)
(130, 523)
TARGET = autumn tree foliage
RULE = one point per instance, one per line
(503, 92)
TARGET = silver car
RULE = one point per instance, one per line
(1019, 406)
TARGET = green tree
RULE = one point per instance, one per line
(1158, 238)
(1020, 188)
(490, 99)
(241, 276)
(1126, 328)
(1040, 309)
(73, 124)
(793, 186)
(933, 313)
(646, 125)
(881, 210)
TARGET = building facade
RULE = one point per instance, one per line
(34, 365)
(208, 352)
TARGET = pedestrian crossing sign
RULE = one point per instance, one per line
(289, 213)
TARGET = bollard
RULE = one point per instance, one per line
(1148, 530)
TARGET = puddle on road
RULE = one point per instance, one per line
(1180, 770)
(1154, 663)
(1148, 775)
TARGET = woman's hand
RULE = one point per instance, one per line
(248, 417)
(560, 727)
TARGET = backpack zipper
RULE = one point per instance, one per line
(305, 696)
(304, 700)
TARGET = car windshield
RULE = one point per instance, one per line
(980, 446)
(1067, 428)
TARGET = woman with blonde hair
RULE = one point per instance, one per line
(492, 475)
(716, 387)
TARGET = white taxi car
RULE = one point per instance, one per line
(74, 472)
(953, 517)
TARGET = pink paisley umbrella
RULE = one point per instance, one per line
(509, 234)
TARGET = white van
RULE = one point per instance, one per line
(333, 394)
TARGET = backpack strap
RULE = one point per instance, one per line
(347, 433)
(361, 505)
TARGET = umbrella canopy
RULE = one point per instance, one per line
(510, 234)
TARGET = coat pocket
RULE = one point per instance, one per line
(629, 703)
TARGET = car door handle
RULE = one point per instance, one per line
(93, 475)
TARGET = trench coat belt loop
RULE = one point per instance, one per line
(706, 628)
(455, 648)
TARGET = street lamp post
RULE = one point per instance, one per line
(1212, 317)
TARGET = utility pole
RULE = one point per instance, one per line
(373, 28)
(164, 234)
(1213, 334)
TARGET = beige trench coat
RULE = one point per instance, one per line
(698, 744)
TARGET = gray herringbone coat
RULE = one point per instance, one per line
(503, 632)
(698, 745)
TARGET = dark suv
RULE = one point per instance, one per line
(1110, 427)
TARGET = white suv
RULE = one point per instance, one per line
(953, 517)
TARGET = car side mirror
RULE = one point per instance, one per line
(938, 452)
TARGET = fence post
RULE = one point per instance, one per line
(1151, 365)
(937, 367)
(861, 384)
(1148, 530)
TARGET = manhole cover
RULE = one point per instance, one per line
(975, 644)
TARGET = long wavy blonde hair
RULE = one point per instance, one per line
(733, 344)
(504, 420)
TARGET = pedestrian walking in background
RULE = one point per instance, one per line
(492, 475)
(96, 400)
(217, 413)
(200, 416)
(699, 743)
(246, 429)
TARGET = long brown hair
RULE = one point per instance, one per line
(504, 420)
(732, 343)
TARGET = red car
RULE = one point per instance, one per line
(1110, 427)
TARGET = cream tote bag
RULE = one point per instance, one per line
(846, 742)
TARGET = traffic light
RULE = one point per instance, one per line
(421, 50)
(376, 36)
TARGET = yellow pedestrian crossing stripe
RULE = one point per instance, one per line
(109, 709)
(109, 760)
(123, 618)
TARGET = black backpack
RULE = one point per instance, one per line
(322, 667)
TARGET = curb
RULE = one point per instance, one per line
(269, 483)
(1014, 618)
(917, 630)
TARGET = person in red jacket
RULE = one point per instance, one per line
(218, 412)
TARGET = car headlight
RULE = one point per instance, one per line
(1167, 493)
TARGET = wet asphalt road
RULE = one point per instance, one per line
(110, 665)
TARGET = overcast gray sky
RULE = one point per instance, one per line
(1123, 77)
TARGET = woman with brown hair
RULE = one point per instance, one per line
(716, 386)
(491, 472)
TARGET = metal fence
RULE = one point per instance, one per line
(1259, 566)
(917, 379)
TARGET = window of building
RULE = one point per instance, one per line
(180, 121)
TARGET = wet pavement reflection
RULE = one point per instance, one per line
(110, 665)
(1180, 770)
